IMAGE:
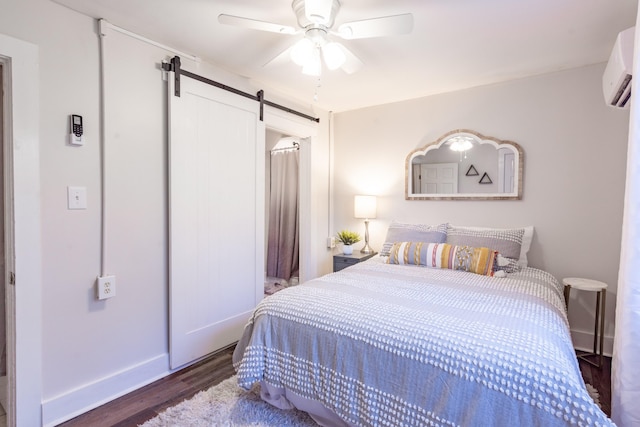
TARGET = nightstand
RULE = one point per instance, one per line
(341, 261)
(600, 288)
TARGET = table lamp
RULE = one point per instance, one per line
(365, 207)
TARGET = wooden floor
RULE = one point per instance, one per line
(141, 405)
(600, 378)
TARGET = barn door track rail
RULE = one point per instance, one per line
(174, 66)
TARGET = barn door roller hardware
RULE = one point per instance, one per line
(174, 66)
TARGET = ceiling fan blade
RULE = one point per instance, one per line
(377, 27)
(283, 57)
(254, 24)
(352, 63)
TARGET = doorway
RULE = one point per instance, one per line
(22, 239)
(3, 293)
(282, 190)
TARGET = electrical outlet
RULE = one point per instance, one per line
(106, 287)
(331, 242)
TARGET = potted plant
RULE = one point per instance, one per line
(348, 238)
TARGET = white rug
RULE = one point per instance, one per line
(593, 392)
(228, 405)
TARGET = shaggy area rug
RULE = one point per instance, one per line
(593, 392)
(228, 405)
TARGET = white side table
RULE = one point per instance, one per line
(601, 293)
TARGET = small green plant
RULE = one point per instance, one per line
(348, 237)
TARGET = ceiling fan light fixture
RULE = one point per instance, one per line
(316, 19)
(318, 11)
(333, 55)
(313, 67)
(460, 143)
(302, 51)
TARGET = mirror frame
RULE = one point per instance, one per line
(480, 139)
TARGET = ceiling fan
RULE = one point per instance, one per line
(316, 19)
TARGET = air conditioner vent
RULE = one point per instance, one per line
(624, 93)
(616, 80)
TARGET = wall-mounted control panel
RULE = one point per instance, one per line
(76, 137)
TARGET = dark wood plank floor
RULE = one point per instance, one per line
(141, 405)
(600, 378)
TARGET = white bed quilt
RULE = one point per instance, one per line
(394, 345)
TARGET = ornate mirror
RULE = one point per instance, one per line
(465, 165)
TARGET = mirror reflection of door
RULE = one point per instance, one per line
(507, 170)
(438, 178)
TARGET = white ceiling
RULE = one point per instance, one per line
(455, 44)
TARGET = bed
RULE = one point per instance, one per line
(386, 344)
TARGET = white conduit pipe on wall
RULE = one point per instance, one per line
(330, 233)
(104, 27)
(105, 24)
(103, 161)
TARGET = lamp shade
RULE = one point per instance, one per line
(364, 207)
(302, 51)
(333, 55)
(313, 67)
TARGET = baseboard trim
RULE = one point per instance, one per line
(69, 405)
(583, 341)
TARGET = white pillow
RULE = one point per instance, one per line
(526, 245)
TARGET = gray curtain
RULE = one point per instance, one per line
(282, 247)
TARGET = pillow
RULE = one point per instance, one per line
(513, 243)
(442, 255)
(507, 265)
(401, 232)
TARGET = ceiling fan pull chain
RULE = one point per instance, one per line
(315, 95)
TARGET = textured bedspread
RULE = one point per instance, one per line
(395, 345)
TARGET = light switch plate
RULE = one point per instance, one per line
(76, 197)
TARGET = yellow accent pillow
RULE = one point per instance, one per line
(443, 255)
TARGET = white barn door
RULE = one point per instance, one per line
(216, 217)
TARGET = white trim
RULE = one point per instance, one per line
(583, 341)
(308, 132)
(23, 121)
(61, 408)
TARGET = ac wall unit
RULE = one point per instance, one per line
(616, 80)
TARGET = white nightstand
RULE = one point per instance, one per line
(598, 332)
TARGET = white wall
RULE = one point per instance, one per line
(95, 350)
(574, 154)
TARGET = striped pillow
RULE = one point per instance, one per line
(442, 255)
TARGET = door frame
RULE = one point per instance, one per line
(307, 131)
(22, 230)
